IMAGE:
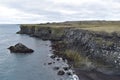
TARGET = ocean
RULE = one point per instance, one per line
(24, 66)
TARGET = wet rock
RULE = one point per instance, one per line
(64, 59)
(61, 72)
(49, 63)
(58, 59)
(53, 56)
(69, 73)
(66, 68)
(20, 48)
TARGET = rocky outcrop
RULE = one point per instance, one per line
(20, 48)
(45, 33)
(101, 46)
(98, 46)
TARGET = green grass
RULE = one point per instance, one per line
(73, 55)
(104, 26)
(81, 61)
(57, 31)
(77, 58)
(101, 41)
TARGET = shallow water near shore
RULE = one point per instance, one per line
(24, 66)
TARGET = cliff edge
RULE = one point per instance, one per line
(99, 46)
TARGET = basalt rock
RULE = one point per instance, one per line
(20, 48)
(101, 46)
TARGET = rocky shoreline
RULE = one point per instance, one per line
(100, 48)
(85, 72)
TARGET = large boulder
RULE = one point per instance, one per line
(20, 48)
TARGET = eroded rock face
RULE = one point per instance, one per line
(96, 45)
(20, 48)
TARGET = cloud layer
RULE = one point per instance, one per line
(38, 11)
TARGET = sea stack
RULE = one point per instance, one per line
(20, 48)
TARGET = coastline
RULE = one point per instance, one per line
(91, 45)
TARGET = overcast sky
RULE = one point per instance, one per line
(38, 11)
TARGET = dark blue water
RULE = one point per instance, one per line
(24, 66)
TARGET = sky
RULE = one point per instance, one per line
(41, 11)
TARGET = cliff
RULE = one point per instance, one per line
(98, 46)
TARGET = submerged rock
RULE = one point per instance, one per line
(49, 63)
(56, 68)
(20, 48)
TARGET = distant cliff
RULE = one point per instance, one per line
(99, 46)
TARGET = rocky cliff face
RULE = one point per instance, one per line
(99, 46)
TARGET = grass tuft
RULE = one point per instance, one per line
(76, 58)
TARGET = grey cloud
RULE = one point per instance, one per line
(97, 9)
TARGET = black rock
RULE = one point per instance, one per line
(61, 72)
(69, 73)
(66, 68)
(49, 63)
(20, 48)
(53, 56)
(58, 59)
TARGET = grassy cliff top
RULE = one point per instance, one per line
(106, 26)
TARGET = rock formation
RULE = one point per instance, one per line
(99, 46)
(20, 48)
